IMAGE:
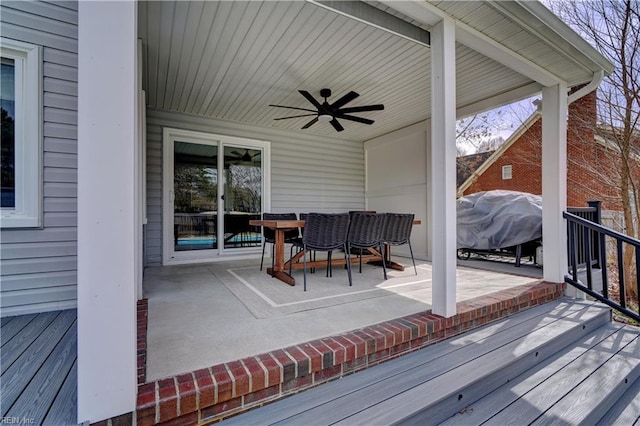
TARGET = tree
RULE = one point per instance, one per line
(613, 27)
(486, 131)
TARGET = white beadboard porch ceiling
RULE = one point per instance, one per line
(229, 60)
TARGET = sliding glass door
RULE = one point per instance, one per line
(195, 196)
(213, 187)
(242, 182)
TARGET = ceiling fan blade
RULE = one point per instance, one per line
(295, 116)
(310, 98)
(290, 107)
(344, 100)
(364, 108)
(311, 123)
(336, 125)
(354, 118)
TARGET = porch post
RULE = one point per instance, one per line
(443, 167)
(107, 220)
(554, 182)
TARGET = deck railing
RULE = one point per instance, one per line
(583, 236)
(592, 213)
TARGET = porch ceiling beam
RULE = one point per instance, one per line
(428, 14)
(370, 15)
(492, 102)
(499, 53)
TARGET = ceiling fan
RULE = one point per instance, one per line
(326, 112)
(246, 157)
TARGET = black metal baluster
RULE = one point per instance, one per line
(587, 252)
(603, 265)
(621, 286)
(572, 250)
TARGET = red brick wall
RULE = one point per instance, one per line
(592, 169)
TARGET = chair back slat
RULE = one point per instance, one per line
(397, 232)
(365, 229)
(325, 231)
(397, 229)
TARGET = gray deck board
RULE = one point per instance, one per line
(15, 347)
(588, 401)
(482, 410)
(418, 403)
(534, 403)
(63, 410)
(339, 399)
(5, 320)
(626, 410)
(42, 390)
(12, 326)
(38, 370)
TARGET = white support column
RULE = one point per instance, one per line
(107, 221)
(443, 167)
(554, 182)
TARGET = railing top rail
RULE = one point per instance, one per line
(582, 209)
(602, 229)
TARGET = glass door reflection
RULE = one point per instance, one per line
(242, 182)
(195, 196)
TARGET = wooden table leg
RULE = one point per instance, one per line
(278, 270)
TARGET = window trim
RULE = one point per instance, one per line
(27, 212)
(507, 172)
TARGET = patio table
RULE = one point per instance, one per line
(280, 267)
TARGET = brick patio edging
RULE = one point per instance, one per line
(211, 394)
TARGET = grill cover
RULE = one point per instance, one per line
(498, 219)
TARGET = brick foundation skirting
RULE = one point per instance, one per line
(211, 394)
(142, 315)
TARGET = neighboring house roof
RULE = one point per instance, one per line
(605, 135)
(482, 167)
(467, 164)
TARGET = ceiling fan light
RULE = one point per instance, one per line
(324, 118)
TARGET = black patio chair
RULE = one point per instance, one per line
(270, 234)
(397, 232)
(297, 244)
(325, 232)
(365, 231)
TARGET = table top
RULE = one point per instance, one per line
(278, 224)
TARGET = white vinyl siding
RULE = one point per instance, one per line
(406, 190)
(307, 173)
(38, 266)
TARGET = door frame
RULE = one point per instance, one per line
(169, 136)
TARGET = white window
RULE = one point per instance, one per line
(21, 196)
(506, 172)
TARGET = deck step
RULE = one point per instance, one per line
(431, 385)
(577, 385)
(626, 410)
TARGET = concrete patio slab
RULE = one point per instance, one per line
(207, 314)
